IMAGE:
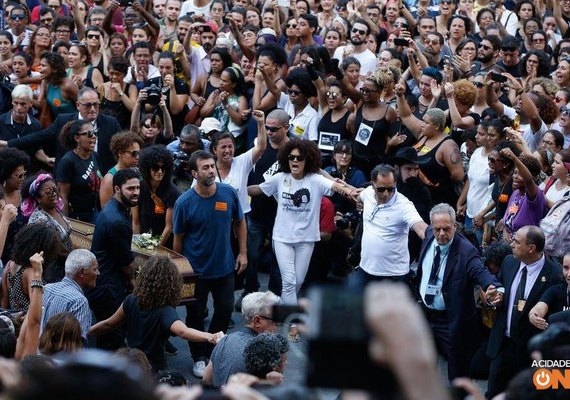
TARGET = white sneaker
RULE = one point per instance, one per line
(198, 369)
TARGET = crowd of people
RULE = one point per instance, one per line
(422, 142)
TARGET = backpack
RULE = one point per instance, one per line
(556, 228)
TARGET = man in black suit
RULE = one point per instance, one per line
(448, 269)
(525, 275)
(88, 107)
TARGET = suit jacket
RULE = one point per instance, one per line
(48, 138)
(463, 270)
(550, 275)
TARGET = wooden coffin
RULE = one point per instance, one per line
(82, 236)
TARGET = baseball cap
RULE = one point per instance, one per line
(210, 124)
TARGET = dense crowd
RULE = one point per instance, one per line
(422, 142)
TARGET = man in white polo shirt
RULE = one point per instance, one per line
(388, 217)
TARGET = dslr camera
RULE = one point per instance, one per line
(154, 93)
(180, 165)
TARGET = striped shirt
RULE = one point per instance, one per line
(66, 296)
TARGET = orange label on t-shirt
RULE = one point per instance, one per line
(503, 198)
(159, 209)
(221, 206)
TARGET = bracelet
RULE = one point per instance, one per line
(37, 283)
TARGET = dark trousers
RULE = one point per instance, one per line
(222, 290)
(257, 233)
(359, 279)
(512, 359)
(103, 307)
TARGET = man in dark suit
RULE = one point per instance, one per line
(525, 275)
(448, 269)
(88, 107)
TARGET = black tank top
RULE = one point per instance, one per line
(433, 173)
(327, 125)
(368, 156)
(209, 88)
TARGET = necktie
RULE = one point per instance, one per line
(519, 303)
(433, 275)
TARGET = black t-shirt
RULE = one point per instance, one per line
(153, 214)
(501, 195)
(514, 70)
(84, 177)
(181, 88)
(263, 208)
(557, 297)
(148, 330)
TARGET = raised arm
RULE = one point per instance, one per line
(530, 185)
(261, 140)
(492, 98)
(410, 120)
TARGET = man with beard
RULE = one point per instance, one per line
(198, 55)
(435, 50)
(143, 70)
(182, 67)
(358, 49)
(387, 216)
(487, 54)
(112, 248)
(202, 226)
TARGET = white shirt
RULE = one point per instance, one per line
(480, 189)
(367, 59)
(199, 62)
(385, 234)
(298, 205)
(533, 139)
(304, 124)
(153, 72)
(189, 6)
(427, 265)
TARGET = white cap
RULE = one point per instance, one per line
(210, 124)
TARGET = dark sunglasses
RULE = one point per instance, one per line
(354, 30)
(17, 16)
(367, 91)
(341, 8)
(293, 91)
(291, 26)
(334, 95)
(484, 46)
(389, 189)
(479, 85)
(134, 153)
(564, 111)
(291, 157)
(89, 105)
(89, 134)
(91, 36)
(272, 128)
(157, 168)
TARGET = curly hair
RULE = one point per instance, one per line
(120, 142)
(507, 144)
(32, 239)
(531, 164)
(546, 108)
(300, 78)
(548, 85)
(151, 156)
(119, 64)
(158, 284)
(496, 252)
(262, 354)
(382, 77)
(276, 53)
(70, 131)
(464, 92)
(62, 333)
(307, 148)
(543, 68)
(32, 47)
(224, 55)
(57, 64)
(10, 159)
(236, 76)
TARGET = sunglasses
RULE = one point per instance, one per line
(21, 176)
(89, 105)
(291, 26)
(93, 36)
(157, 168)
(431, 41)
(89, 134)
(359, 31)
(538, 40)
(17, 16)
(479, 85)
(334, 95)
(484, 46)
(134, 153)
(292, 157)
(564, 111)
(368, 91)
(381, 189)
(293, 91)
(341, 8)
(62, 31)
(272, 128)
(559, 99)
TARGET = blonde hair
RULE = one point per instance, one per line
(382, 77)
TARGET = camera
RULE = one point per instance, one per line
(348, 220)
(401, 42)
(154, 93)
(496, 77)
(125, 3)
(180, 164)
(7, 83)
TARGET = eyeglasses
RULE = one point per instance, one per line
(334, 95)
(134, 153)
(341, 8)
(479, 85)
(50, 191)
(538, 40)
(89, 134)
(272, 128)
(359, 31)
(157, 168)
(431, 41)
(93, 36)
(62, 31)
(485, 47)
(294, 92)
(382, 189)
(21, 176)
(343, 154)
(89, 105)
(14, 17)
(564, 111)
(509, 48)
(292, 157)
(368, 91)
(291, 26)
(559, 99)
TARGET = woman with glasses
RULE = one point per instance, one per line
(334, 114)
(81, 70)
(41, 42)
(43, 205)
(126, 147)
(253, 17)
(299, 190)
(553, 141)
(78, 172)
(96, 48)
(13, 165)
(157, 196)
(289, 38)
(117, 97)
(480, 104)
(59, 91)
(150, 126)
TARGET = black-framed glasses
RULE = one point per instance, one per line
(341, 8)
(294, 92)
(62, 31)
(291, 26)
(50, 191)
(382, 189)
(157, 168)
(89, 105)
(334, 95)
(564, 111)
(272, 128)
(134, 153)
(479, 85)
(93, 36)
(359, 31)
(21, 17)
(484, 46)
(89, 134)
(365, 90)
(292, 157)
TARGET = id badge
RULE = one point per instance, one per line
(433, 290)
(363, 134)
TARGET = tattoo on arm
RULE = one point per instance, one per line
(455, 157)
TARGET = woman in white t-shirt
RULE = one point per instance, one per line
(298, 191)
(557, 185)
